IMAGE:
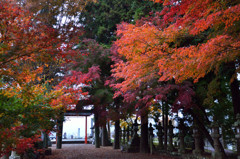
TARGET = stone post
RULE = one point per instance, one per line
(160, 136)
(181, 137)
(65, 135)
(217, 154)
(151, 135)
(170, 135)
(196, 136)
(131, 131)
(124, 135)
(127, 134)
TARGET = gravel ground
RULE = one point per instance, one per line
(82, 151)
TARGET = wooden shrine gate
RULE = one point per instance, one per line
(79, 111)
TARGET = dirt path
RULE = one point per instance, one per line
(82, 151)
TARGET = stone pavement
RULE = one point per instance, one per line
(88, 151)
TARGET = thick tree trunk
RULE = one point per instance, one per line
(234, 90)
(235, 99)
(116, 137)
(201, 141)
(105, 141)
(144, 134)
(59, 134)
(97, 139)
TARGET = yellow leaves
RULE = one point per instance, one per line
(123, 124)
(153, 110)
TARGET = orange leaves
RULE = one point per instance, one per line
(196, 61)
(193, 38)
(158, 1)
(199, 15)
(231, 15)
(141, 46)
(135, 41)
(25, 43)
(22, 36)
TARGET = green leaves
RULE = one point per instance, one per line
(100, 19)
(10, 109)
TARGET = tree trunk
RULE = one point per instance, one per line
(105, 141)
(108, 131)
(165, 126)
(144, 134)
(116, 137)
(59, 133)
(235, 90)
(234, 86)
(97, 139)
(236, 103)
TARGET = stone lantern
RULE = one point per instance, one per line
(150, 129)
(160, 136)
(217, 154)
(134, 145)
(151, 135)
(135, 128)
(196, 136)
(181, 137)
(236, 125)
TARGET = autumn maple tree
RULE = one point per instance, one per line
(181, 42)
(187, 40)
(25, 95)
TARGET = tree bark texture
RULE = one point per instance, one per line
(116, 137)
(144, 148)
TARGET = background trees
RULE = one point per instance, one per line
(99, 19)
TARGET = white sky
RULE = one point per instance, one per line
(72, 123)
